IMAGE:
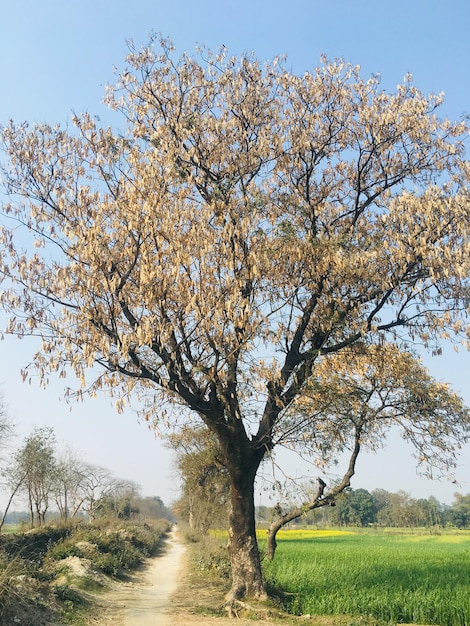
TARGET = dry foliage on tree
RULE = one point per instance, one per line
(244, 227)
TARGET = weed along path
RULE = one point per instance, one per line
(145, 600)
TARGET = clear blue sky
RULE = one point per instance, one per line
(57, 55)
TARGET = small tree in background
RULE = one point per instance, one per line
(35, 470)
(460, 513)
(6, 425)
(205, 490)
(118, 500)
(356, 508)
(152, 507)
(6, 433)
(354, 399)
(97, 484)
(70, 479)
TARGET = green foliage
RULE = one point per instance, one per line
(111, 548)
(205, 492)
(118, 552)
(152, 507)
(33, 546)
(398, 578)
(67, 594)
(356, 508)
(63, 550)
(117, 506)
(460, 513)
(190, 534)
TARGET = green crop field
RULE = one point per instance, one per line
(395, 577)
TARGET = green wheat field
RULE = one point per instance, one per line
(397, 577)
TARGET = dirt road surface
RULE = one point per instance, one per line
(150, 600)
(145, 599)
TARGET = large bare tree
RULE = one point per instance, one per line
(245, 225)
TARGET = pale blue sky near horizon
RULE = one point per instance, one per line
(57, 56)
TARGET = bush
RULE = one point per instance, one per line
(10, 571)
(112, 548)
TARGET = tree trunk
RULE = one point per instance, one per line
(271, 543)
(318, 499)
(10, 500)
(65, 513)
(247, 579)
(31, 510)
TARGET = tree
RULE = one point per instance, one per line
(246, 225)
(205, 489)
(118, 500)
(34, 472)
(460, 513)
(428, 512)
(152, 507)
(6, 425)
(6, 433)
(398, 510)
(356, 508)
(97, 484)
(69, 484)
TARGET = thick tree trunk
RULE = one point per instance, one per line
(247, 579)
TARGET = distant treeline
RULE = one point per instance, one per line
(359, 507)
(128, 507)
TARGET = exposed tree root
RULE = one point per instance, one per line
(234, 608)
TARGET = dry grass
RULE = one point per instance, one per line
(42, 581)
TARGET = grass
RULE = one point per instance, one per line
(397, 578)
(9, 529)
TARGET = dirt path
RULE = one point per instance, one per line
(145, 599)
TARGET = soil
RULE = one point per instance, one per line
(145, 598)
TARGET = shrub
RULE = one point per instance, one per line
(10, 571)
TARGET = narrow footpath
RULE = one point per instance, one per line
(145, 600)
(150, 599)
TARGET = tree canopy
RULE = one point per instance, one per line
(358, 394)
(245, 226)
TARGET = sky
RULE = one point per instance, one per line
(56, 56)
